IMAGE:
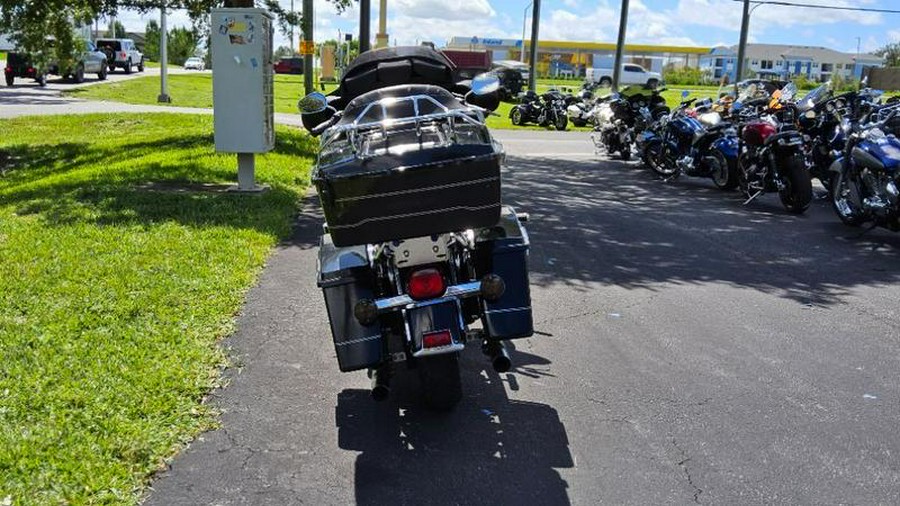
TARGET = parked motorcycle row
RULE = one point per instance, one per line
(767, 140)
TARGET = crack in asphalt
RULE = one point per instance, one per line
(687, 473)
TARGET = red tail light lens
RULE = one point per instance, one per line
(30, 70)
(9, 69)
(426, 284)
(123, 55)
(437, 339)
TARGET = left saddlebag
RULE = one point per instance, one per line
(346, 278)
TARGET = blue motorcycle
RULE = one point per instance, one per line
(702, 146)
(865, 181)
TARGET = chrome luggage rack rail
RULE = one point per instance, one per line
(375, 119)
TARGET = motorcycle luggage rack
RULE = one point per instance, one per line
(375, 119)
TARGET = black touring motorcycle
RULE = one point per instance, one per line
(417, 246)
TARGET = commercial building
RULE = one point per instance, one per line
(785, 62)
(566, 58)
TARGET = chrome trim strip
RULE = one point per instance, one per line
(406, 302)
(419, 190)
(450, 348)
(510, 310)
(360, 340)
(409, 215)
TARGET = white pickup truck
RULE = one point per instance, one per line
(631, 74)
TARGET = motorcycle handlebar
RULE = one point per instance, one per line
(321, 127)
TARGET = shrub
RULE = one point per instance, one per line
(684, 75)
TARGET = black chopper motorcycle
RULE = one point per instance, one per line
(620, 117)
(417, 245)
(546, 109)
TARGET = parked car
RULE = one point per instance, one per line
(293, 65)
(193, 63)
(121, 53)
(630, 74)
(91, 61)
(19, 65)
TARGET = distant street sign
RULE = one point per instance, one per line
(307, 47)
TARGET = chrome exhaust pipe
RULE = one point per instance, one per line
(500, 360)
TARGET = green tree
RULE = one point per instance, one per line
(891, 54)
(283, 52)
(151, 40)
(181, 44)
(119, 32)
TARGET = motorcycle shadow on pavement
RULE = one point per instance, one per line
(614, 223)
(489, 450)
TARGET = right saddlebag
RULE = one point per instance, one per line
(503, 250)
(346, 278)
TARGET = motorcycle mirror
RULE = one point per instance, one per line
(736, 106)
(313, 103)
(484, 84)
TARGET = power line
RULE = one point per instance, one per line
(827, 7)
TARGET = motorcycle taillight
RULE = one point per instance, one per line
(437, 339)
(426, 284)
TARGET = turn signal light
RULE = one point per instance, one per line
(426, 284)
(437, 339)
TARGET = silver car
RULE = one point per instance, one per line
(90, 62)
(194, 63)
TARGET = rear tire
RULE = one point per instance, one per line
(141, 65)
(103, 73)
(724, 175)
(78, 75)
(128, 67)
(605, 82)
(10, 80)
(441, 385)
(797, 193)
(652, 83)
(848, 212)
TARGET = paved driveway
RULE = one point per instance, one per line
(688, 349)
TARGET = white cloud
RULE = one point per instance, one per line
(444, 10)
(601, 24)
(726, 14)
(572, 4)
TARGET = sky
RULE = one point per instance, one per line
(677, 22)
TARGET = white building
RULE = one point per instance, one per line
(784, 62)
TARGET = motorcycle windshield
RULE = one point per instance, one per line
(632, 91)
(815, 97)
(788, 92)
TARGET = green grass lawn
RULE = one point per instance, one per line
(187, 90)
(118, 277)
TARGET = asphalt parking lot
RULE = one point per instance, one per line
(688, 349)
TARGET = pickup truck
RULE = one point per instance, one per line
(631, 74)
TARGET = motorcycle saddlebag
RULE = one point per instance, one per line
(503, 250)
(415, 193)
(345, 278)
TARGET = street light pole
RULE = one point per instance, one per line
(535, 22)
(308, 69)
(163, 58)
(742, 46)
(620, 45)
(365, 13)
(524, 24)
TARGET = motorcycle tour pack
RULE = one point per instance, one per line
(409, 183)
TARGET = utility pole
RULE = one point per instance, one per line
(535, 24)
(742, 46)
(293, 47)
(308, 69)
(524, 24)
(620, 45)
(365, 13)
(163, 58)
(381, 38)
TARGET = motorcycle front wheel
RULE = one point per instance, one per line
(654, 158)
(797, 192)
(441, 385)
(724, 174)
(516, 117)
(844, 206)
(561, 122)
